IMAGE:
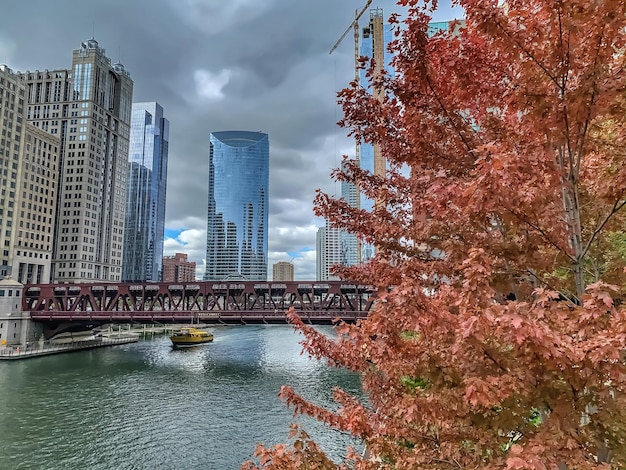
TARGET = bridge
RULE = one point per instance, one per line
(65, 306)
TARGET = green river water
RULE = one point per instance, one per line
(147, 406)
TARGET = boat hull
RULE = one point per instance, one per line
(183, 343)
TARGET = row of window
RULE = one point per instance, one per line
(30, 254)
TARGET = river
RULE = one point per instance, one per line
(147, 406)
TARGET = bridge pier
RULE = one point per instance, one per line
(16, 327)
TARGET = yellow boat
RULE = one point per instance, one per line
(189, 336)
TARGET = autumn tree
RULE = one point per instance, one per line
(497, 337)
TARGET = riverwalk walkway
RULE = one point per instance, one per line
(45, 348)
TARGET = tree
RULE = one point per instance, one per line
(497, 337)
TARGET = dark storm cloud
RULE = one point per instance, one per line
(217, 65)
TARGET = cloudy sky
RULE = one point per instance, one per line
(258, 65)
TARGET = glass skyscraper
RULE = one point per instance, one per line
(238, 206)
(349, 243)
(374, 40)
(145, 196)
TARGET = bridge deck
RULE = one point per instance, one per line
(206, 302)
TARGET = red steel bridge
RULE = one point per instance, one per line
(208, 302)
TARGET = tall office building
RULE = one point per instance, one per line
(11, 145)
(34, 242)
(238, 205)
(145, 194)
(282, 271)
(328, 252)
(349, 244)
(29, 165)
(89, 108)
(374, 40)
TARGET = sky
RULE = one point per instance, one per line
(214, 65)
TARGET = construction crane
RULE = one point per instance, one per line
(354, 24)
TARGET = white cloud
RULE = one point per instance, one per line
(303, 262)
(210, 85)
(192, 242)
(296, 245)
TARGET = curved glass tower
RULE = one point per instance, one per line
(238, 206)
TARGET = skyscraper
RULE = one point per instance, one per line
(89, 108)
(238, 205)
(350, 245)
(374, 40)
(328, 252)
(29, 167)
(145, 194)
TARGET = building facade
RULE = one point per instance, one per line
(144, 225)
(178, 269)
(349, 243)
(282, 271)
(237, 222)
(328, 252)
(29, 166)
(89, 108)
(34, 236)
(12, 125)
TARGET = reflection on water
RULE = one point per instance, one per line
(146, 405)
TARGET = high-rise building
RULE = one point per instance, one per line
(11, 145)
(238, 205)
(374, 40)
(328, 252)
(29, 166)
(89, 108)
(347, 245)
(282, 271)
(178, 269)
(34, 242)
(145, 194)
(350, 246)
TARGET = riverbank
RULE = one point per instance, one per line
(47, 349)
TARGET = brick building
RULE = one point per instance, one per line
(177, 269)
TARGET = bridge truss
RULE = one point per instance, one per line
(203, 302)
